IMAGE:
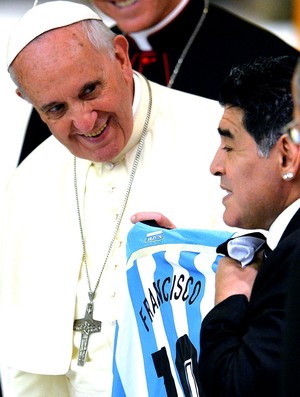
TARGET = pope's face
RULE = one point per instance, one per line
(136, 15)
(83, 94)
(255, 191)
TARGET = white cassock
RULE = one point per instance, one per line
(43, 284)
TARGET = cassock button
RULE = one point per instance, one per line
(109, 166)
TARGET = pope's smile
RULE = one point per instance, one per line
(96, 133)
(123, 3)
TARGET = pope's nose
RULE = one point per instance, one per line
(84, 120)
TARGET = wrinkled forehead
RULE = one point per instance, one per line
(43, 18)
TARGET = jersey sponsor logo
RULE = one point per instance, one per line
(153, 237)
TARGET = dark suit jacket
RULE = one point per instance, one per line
(290, 379)
(224, 40)
(241, 342)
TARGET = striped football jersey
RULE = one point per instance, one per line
(169, 288)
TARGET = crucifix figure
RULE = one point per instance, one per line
(86, 326)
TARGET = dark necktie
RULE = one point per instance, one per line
(267, 250)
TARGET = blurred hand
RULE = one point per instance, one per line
(160, 219)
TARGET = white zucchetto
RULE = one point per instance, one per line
(42, 18)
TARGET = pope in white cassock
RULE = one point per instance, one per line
(120, 145)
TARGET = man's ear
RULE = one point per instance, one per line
(290, 156)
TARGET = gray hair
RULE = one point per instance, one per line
(99, 35)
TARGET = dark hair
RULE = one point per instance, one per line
(262, 89)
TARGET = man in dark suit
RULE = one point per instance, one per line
(291, 352)
(199, 40)
(259, 169)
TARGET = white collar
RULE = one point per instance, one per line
(137, 93)
(141, 38)
(279, 225)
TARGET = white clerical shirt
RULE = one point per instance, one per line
(43, 285)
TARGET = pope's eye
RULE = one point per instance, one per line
(56, 109)
(88, 90)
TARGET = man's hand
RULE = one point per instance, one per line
(232, 279)
(160, 219)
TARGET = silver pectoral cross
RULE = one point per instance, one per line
(86, 326)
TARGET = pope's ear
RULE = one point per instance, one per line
(122, 56)
(290, 155)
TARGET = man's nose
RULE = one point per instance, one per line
(216, 167)
(84, 118)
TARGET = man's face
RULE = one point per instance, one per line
(83, 95)
(136, 15)
(253, 184)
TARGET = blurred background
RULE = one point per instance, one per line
(280, 16)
